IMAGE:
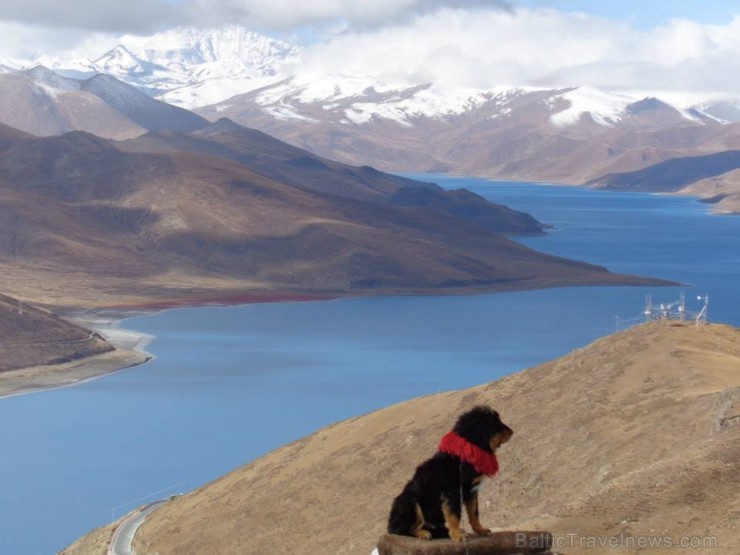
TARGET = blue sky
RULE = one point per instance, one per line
(645, 14)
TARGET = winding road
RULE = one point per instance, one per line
(123, 537)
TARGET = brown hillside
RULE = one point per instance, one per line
(40, 350)
(637, 433)
(42, 102)
(300, 168)
(713, 177)
(33, 337)
(722, 192)
(84, 222)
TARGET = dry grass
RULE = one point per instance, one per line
(635, 434)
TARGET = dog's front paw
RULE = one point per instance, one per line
(457, 535)
(483, 531)
(423, 534)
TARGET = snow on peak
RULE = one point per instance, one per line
(416, 102)
(359, 100)
(190, 46)
(354, 100)
(603, 107)
(119, 61)
(307, 89)
(609, 108)
(362, 99)
(185, 66)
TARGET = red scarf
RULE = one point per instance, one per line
(483, 462)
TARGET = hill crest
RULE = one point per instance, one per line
(637, 434)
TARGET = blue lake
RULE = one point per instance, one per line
(230, 384)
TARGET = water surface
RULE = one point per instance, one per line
(230, 384)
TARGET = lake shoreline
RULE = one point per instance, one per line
(35, 379)
(606, 278)
(130, 346)
(129, 351)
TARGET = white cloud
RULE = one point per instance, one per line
(146, 16)
(285, 14)
(27, 41)
(53, 26)
(482, 48)
(541, 47)
(474, 43)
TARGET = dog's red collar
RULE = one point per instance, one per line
(484, 462)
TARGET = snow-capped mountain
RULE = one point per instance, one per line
(120, 61)
(356, 100)
(184, 66)
(194, 68)
(567, 134)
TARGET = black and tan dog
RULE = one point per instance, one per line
(430, 506)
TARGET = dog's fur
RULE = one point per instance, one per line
(430, 506)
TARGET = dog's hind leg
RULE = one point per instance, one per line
(407, 518)
(419, 530)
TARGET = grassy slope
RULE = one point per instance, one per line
(636, 433)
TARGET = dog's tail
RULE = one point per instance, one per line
(404, 517)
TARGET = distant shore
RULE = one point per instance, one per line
(129, 351)
(217, 299)
(130, 346)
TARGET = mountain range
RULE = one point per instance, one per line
(186, 67)
(572, 134)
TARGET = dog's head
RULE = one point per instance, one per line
(482, 426)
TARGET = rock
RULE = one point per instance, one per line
(498, 543)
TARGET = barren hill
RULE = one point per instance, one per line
(43, 103)
(634, 436)
(300, 168)
(30, 337)
(38, 349)
(711, 176)
(84, 222)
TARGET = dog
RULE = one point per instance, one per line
(430, 505)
